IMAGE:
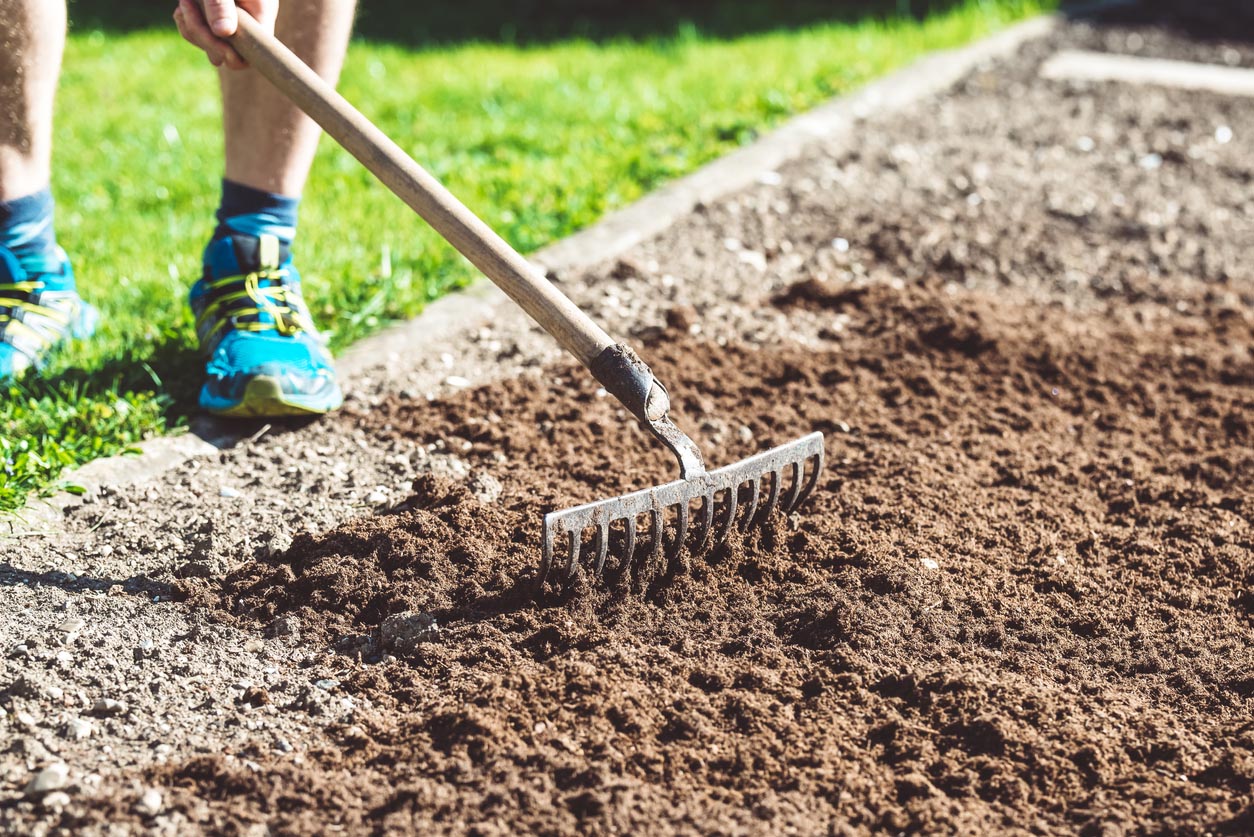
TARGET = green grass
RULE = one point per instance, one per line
(540, 139)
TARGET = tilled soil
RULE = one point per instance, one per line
(1019, 598)
(1018, 602)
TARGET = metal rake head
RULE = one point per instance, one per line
(786, 474)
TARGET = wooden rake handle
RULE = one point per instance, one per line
(474, 239)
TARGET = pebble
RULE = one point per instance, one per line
(149, 805)
(753, 258)
(327, 684)
(840, 245)
(745, 434)
(486, 488)
(280, 542)
(402, 632)
(108, 706)
(25, 719)
(78, 728)
(1223, 135)
(378, 497)
(51, 778)
(283, 746)
(929, 563)
(55, 693)
(457, 381)
(227, 492)
(1150, 162)
(72, 625)
(56, 799)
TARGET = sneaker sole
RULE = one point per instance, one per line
(264, 398)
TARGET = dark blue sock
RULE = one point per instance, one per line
(26, 229)
(252, 211)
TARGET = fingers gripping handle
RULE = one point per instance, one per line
(486, 250)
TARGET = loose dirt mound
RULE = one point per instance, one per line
(1019, 600)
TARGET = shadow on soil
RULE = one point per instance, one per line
(540, 21)
(11, 576)
(1221, 20)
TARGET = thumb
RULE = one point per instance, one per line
(221, 16)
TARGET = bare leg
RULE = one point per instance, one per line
(32, 38)
(270, 143)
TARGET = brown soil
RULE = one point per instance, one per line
(1020, 601)
(1077, 657)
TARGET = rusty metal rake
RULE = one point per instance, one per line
(615, 365)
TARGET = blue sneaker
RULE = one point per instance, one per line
(39, 311)
(266, 358)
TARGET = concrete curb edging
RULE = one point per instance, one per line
(608, 238)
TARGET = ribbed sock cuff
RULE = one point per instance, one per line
(26, 227)
(254, 211)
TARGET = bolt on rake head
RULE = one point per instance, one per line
(787, 474)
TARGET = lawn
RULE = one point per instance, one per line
(541, 132)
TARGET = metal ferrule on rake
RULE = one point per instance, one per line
(787, 474)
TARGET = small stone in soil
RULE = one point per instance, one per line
(56, 800)
(149, 805)
(228, 493)
(108, 706)
(51, 778)
(280, 542)
(403, 632)
(486, 488)
(284, 626)
(78, 729)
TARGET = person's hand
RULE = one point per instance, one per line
(219, 20)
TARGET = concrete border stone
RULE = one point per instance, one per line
(1082, 65)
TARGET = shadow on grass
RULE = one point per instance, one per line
(541, 21)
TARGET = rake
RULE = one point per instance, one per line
(726, 499)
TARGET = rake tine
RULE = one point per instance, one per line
(814, 479)
(732, 500)
(795, 493)
(656, 552)
(576, 541)
(777, 479)
(707, 521)
(603, 547)
(629, 548)
(752, 509)
(678, 543)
